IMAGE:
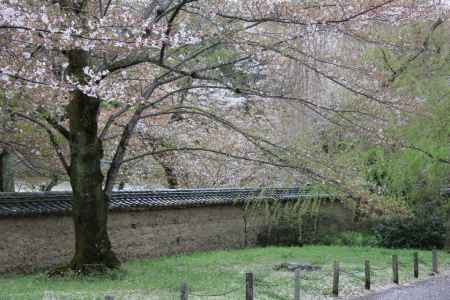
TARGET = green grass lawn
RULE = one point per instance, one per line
(217, 272)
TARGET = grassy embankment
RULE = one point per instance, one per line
(216, 272)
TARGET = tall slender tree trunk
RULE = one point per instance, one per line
(90, 203)
(6, 172)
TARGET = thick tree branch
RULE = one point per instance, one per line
(124, 139)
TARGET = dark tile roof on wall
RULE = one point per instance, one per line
(56, 203)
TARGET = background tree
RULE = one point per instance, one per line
(400, 159)
(6, 172)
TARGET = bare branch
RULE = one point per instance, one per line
(107, 7)
(280, 164)
(177, 10)
(111, 120)
(277, 19)
(53, 139)
(410, 60)
(430, 155)
(52, 122)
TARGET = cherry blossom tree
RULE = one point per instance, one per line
(93, 72)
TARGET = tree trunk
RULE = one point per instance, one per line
(169, 171)
(172, 180)
(49, 186)
(90, 203)
(6, 172)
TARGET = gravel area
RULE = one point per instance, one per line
(437, 288)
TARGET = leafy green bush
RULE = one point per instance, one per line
(350, 238)
(356, 239)
(426, 229)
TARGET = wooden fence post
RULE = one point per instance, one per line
(395, 269)
(434, 261)
(416, 265)
(335, 291)
(367, 274)
(184, 291)
(248, 286)
(297, 285)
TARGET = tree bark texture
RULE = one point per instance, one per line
(89, 203)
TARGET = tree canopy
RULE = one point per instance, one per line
(119, 81)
